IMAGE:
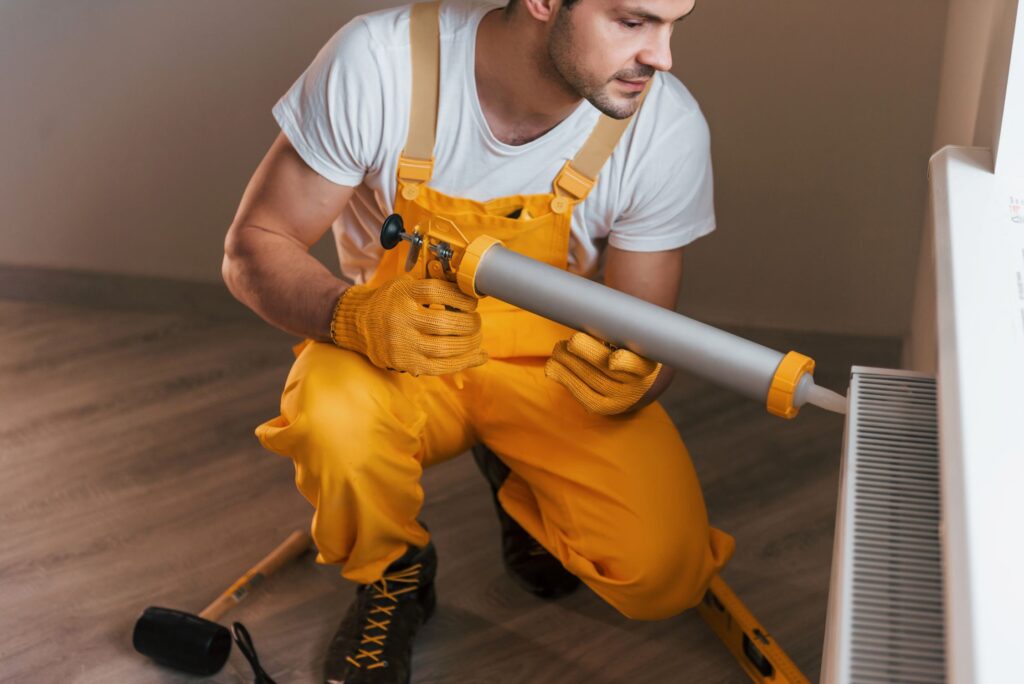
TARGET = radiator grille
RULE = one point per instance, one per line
(893, 612)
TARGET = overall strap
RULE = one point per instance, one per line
(416, 163)
(576, 179)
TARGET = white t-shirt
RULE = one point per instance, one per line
(347, 116)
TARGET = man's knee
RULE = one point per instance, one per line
(651, 581)
(342, 414)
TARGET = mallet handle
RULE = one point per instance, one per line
(293, 546)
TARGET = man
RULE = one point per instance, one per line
(534, 135)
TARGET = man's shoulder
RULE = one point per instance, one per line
(668, 131)
(389, 27)
(672, 100)
(385, 28)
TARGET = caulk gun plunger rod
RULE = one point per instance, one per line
(626, 321)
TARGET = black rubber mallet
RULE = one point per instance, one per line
(196, 643)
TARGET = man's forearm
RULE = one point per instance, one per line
(278, 279)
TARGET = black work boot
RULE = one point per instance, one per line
(527, 561)
(373, 645)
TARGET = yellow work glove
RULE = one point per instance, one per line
(605, 380)
(420, 326)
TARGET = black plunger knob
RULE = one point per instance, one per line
(392, 231)
(182, 641)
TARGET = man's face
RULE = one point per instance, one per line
(607, 50)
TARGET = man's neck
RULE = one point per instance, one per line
(521, 95)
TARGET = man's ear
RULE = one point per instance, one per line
(541, 10)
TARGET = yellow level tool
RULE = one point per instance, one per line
(756, 652)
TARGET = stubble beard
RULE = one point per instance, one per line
(564, 64)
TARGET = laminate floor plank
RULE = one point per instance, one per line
(132, 478)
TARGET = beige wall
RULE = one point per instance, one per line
(972, 82)
(129, 130)
(971, 27)
(821, 114)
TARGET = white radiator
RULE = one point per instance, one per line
(885, 620)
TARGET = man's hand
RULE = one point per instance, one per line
(420, 326)
(606, 381)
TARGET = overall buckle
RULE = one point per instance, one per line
(571, 188)
(412, 173)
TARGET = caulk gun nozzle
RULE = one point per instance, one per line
(826, 399)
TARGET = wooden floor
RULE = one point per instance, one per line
(131, 477)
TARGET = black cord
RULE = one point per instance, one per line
(247, 648)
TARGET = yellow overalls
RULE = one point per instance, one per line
(615, 499)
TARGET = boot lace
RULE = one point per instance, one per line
(385, 601)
